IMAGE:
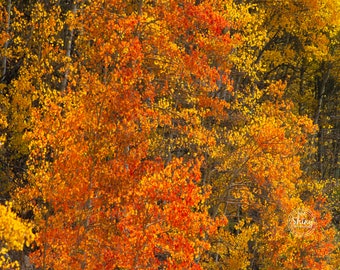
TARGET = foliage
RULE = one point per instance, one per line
(170, 134)
(14, 235)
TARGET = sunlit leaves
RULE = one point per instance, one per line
(143, 155)
(15, 234)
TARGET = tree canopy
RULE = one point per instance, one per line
(169, 134)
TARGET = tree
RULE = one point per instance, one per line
(101, 199)
(258, 182)
(33, 59)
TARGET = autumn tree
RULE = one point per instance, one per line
(101, 199)
(258, 181)
(33, 62)
(282, 41)
(297, 42)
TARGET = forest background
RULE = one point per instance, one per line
(177, 134)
